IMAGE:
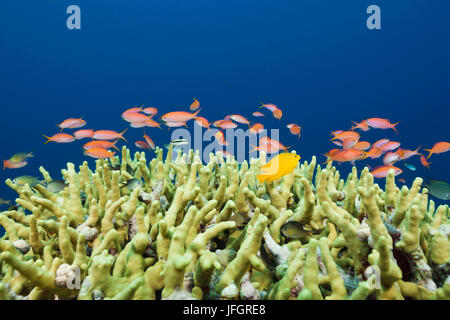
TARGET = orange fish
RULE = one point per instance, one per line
(361, 145)
(382, 171)
(179, 116)
(402, 180)
(380, 123)
(374, 153)
(60, 138)
(109, 135)
(439, 147)
(424, 162)
(103, 144)
(202, 122)
(277, 113)
(273, 143)
(142, 145)
(150, 111)
(240, 119)
(267, 148)
(269, 106)
(294, 129)
(149, 141)
(84, 133)
(221, 138)
(380, 143)
(338, 143)
(135, 117)
(345, 155)
(335, 133)
(98, 153)
(346, 135)
(390, 145)
(13, 165)
(256, 128)
(72, 123)
(258, 114)
(405, 154)
(362, 125)
(194, 105)
(225, 124)
(349, 143)
(390, 158)
(152, 123)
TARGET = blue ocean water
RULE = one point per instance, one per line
(316, 60)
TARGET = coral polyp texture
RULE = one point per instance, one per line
(212, 231)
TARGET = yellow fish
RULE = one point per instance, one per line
(278, 167)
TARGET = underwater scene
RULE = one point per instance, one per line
(225, 150)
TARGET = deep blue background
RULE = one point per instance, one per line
(315, 59)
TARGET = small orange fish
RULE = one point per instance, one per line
(98, 153)
(13, 165)
(335, 133)
(194, 105)
(424, 162)
(239, 118)
(390, 145)
(151, 111)
(256, 128)
(221, 138)
(374, 153)
(60, 138)
(361, 145)
(380, 123)
(390, 158)
(346, 155)
(269, 106)
(179, 116)
(72, 123)
(439, 147)
(258, 114)
(100, 144)
(349, 143)
(362, 125)
(152, 123)
(142, 145)
(382, 171)
(267, 148)
(405, 154)
(273, 143)
(346, 135)
(109, 135)
(294, 129)
(225, 124)
(202, 122)
(135, 117)
(277, 113)
(380, 143)
(402, 180)
(84, 133)
(149, 141)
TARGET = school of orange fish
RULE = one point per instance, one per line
(351, 148)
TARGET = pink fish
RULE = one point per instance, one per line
(13, 165)
(109, 135)
(60, 138)
(258, 114)
(72, 123)
(151, 111)
(380, 123)
(84, 133)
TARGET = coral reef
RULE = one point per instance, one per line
(194, 231)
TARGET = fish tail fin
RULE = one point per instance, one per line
(430, 152)
(48, 139)
(30, 154)
(393, 127)
(255, 148)
(196, 112)
(114, 145)
(121, 134)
